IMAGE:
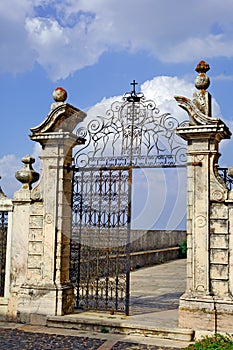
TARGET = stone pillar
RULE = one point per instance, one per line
(20, 232)
(207, 195)
(46, 289)
(6, 207)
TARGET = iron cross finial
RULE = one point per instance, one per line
(134, 83)
(133, 96)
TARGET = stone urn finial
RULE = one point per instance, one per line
(202, 81)
(27, 175)
(202, 98)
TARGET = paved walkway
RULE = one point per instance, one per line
(155, 293)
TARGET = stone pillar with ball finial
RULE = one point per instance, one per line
(206, 303)
(46, 289)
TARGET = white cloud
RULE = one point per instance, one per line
(195, 47)
(17, 54)
(9, 164)
(159, 198)
(64, 36)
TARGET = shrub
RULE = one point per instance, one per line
(215, 342)
(183, 249)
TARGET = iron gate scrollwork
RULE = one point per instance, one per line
(131, 135)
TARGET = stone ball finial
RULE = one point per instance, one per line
(202, 81)
(59, 94)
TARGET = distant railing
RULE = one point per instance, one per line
(223, 172)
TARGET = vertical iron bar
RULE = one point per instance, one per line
(97, 223)
(99, 230)
(79, 238)
(127, 294)
(118, 237)
(72, 227)
(108, 195)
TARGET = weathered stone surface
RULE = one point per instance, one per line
(220, 287)
(209, 219)
(219, 241)
(219, 256)
(218, 211)
(219, 226)
(219, 272)
(42, 223)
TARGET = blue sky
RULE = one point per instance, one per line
(95, 48)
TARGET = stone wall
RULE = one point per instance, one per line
(144, 240)
(148, 248)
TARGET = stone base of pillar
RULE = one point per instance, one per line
(35, 303)
(206, 313)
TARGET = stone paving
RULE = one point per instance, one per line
(16, 339)
(20, 340)
(155, 295)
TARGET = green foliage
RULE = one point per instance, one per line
(215, 342)
(104, 330)
(183, 249)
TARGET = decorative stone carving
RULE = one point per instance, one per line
(199, 109)
(27, 175)
(36, 193)
(217, 195)
(200, 221)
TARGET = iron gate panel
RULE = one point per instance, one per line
(131, 135)
(3, 241)
(100, 239)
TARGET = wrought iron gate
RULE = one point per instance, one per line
(100, 242)
(132, 135)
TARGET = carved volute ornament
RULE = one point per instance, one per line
(199, 108)
(27, 175)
